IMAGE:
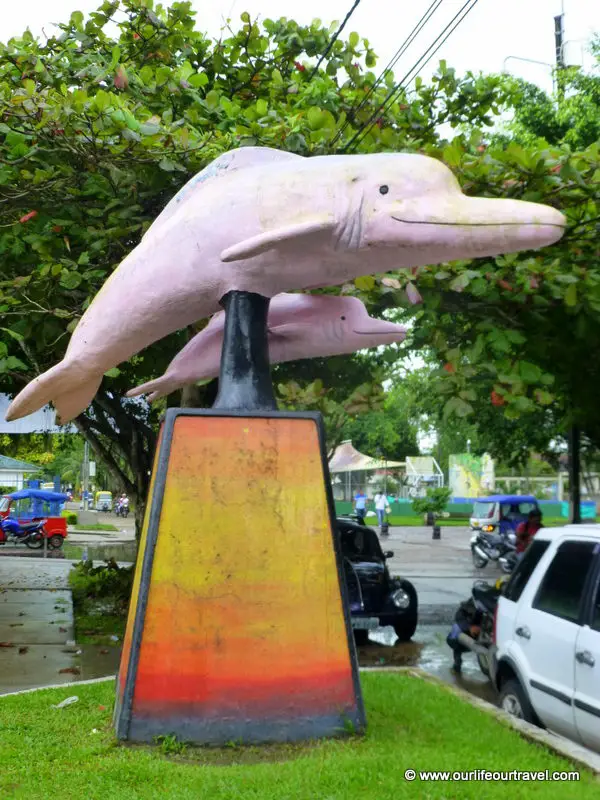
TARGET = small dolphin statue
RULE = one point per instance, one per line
(299, 326)
(263, 221)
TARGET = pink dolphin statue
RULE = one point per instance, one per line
(279, 222)
(300, 326)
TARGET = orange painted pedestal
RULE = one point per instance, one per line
(236, 629)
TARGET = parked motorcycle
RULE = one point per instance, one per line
(32, 535)
(509, 562)
(487, 547)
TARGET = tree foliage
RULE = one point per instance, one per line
(102, 124)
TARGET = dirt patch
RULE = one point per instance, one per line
(402, 654)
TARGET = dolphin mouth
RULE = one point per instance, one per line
(476, 224)
(377, 333)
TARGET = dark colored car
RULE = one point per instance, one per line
(375, 597)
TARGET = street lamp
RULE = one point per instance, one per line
(530, 61)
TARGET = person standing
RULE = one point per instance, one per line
(360, 506)
(380, 507)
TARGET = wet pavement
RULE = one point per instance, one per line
(36, 638)
(441, 571)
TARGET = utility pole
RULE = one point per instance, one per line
(575, 474)
(86, 475)
(559, 36)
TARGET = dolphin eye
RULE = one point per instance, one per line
(384, 189)
(343, 318)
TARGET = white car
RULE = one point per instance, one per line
(546, 666)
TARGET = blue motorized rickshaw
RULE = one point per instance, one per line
(501, 513)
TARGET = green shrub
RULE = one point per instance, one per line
(109, 582)
(7, 489)
(435, 500)
(71, 516)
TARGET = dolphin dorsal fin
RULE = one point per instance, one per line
(268, 240)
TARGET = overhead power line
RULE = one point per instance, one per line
(391, 64)
(456, 20)
(334, 38)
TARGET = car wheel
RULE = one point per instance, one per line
(406, 625)
(361, 637)
(515, 702)
(484, 665)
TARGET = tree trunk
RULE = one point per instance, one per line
(575, 474)
(124, 443)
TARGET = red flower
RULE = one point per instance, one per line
(497, 399)
(505, 285)
(300, 67)
(136, 36)
(27, 217)
(449, 368)
(57, 228)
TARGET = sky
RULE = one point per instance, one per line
(494, 31)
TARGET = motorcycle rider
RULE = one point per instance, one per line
(123, 507)
(527, 530)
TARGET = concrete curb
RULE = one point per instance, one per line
(71, 685)
(557, 744)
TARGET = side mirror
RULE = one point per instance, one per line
(388, 554)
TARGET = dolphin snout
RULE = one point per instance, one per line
(479, 226)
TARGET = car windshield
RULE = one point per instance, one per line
(360, 544)
(4, 503)
(483, 510)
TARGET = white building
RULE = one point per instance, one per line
(12, 472)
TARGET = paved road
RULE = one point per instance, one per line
(441, 570)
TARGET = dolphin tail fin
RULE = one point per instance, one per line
(159, 388)
(66, 385)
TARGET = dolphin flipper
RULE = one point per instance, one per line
(271, 239)
(159, 387)
(66, 385)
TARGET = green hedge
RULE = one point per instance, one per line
(71, 516)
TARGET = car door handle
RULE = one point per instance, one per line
(585, 657)
(523, 631)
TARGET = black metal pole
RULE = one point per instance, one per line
(575, 474)
(245, 377)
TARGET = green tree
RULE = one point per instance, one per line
(101, 125)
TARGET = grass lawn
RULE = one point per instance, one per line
(71, 753)
(96, 526)
(550, 522)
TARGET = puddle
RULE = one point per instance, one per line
(429, 651)
(98, 661)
